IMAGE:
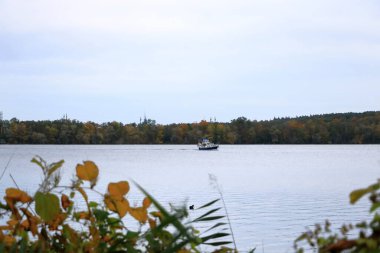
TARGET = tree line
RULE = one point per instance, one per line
(340, 128)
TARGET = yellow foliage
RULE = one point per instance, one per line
(88, 171)
(139, 213)
(25, 224)
(33, 221)
(15, 195)
(120, 206)
(53, 225)
(83, 215)
(118, 190)
(146, 202)
(5, 228)
(9, 240)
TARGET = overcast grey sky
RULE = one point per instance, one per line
(187, 60)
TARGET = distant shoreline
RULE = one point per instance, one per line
(339, 128)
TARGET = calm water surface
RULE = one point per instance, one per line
(272, 192)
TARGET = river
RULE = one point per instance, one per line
(272, 192)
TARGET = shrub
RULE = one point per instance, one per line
(50, 221)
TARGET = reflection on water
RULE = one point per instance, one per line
(272, 192)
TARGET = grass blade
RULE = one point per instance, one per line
(208, 204)
(206, 214)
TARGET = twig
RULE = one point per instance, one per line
(6, 166)
(14, 181)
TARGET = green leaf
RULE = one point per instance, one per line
(47, 205)
(93, 204)
(211, 218)
(215, 226)
(208, 204)
(183, 231)
(55, 166)
(357, 194)
(206, 214)
(217, 243)
(100, 215)
(375, 206)
(132, 234)
(39, 163)
(213, 236)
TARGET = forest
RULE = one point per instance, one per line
(338, 128)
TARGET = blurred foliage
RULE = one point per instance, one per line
(322, 239)
(343, 128)
(54, 220)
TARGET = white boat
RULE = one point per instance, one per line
(205, 144)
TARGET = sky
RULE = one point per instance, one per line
(187, 60)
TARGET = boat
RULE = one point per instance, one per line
(205, 144)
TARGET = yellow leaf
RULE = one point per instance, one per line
(9, 240)
(12, 223)
(26, 212)
(118, 190)
(25, 224)
(120, 206)
(53, 225)
(17, 195)
(82, 215)
(146, 202)
(88, 171)
(110, 204)
(139, 213)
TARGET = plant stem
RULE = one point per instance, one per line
(228, 217)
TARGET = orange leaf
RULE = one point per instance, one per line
(12, 223)
(139, 213)
(146, 202)
(17, 195)
(88, 171)
(25, 224)
(65, 201)
(9, 240)
(5, 228)
(82, 215)
(120, 206)
(118, 190)
(53, 225)
(110, 204)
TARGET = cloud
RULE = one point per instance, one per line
(250, 55)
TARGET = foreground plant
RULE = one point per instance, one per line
(323, 240)
(51, 220)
